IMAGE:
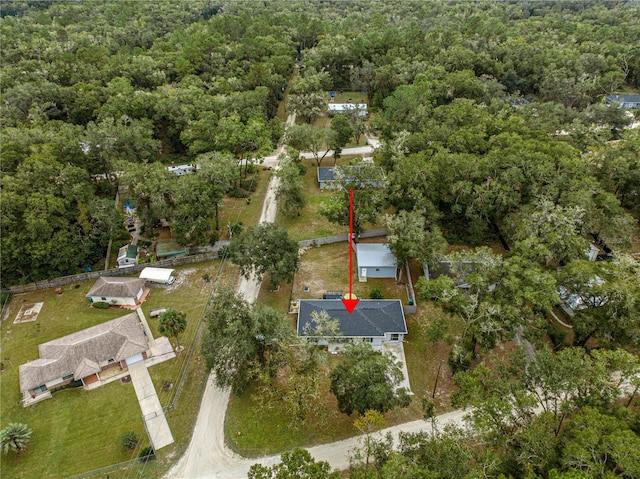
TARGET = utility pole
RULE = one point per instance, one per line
(433, 394)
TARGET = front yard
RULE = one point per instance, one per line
(77, 430)
(253, 429)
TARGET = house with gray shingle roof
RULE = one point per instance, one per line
(372, 321)
(83, 355)
(626, 101)
(117, 291)
(328, 176)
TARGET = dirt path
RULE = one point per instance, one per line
(208, 456)
(207, 453)
(337, 454)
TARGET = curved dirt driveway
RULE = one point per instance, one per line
(207, 455)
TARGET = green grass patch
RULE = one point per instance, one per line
(311, 224)
(254, 429)
(77, 431)
(244, 210)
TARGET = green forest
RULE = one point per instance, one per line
(495, 129)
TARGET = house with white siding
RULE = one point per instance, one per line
(373, 321)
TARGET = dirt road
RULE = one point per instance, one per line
(337, 454)
(207, 455)
(207, 452)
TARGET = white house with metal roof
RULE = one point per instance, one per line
(375, 260)
(337, 108)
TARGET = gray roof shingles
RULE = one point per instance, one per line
(371, 318)
(79, 353)
(116, 287)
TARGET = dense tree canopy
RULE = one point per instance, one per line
(367, 380)
(241, 341)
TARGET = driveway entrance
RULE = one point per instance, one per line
(152, 413)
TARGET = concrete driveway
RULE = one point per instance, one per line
(152, 413)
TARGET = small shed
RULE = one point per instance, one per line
(117, 291)
(375, 261)
(162, 276)
(169, 249)
(127, 256)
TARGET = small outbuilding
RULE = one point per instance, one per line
(158, 276)
(169, 249)
(127, 256)
(375, 261)
(117, 291)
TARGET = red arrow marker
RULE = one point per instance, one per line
(350, 302)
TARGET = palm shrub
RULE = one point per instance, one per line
(15, 437)
(129, 440)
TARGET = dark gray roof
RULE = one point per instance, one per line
(372, 317)
(79, 353)
(627, 98)
(327, 173)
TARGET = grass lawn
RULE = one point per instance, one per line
(311, 224)
(254, 429)
(244, 210)
(76, 430)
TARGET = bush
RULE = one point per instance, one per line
(101, 305)
(147, 454)
(375, 294)
(129, 440)
(237, 228)
(249, 184)
(238, 193)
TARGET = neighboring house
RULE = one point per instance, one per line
(327, 176)
(444, 268)
(162, 276)
(127, 256)
(571, 302)
(518, 102)
(375, 261)
(372, 321)
(181, 169)
(624, 101)
(81, 356)
(117, 291)
(336, 108)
